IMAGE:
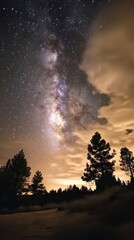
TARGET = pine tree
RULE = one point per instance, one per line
(37, 187)
(7, 183)
(127, 162)
(101, 167)
(20, 172)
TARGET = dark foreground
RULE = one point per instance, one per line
(30, 225)
(105, 216)
(52, 224)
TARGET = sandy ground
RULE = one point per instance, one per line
(31, 225)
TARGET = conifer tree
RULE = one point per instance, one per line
(101, 166)
(20, 172)
(127, 162)
(37, 187)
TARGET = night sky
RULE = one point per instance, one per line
(66, 71)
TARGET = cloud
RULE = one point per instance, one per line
(129, 131)
(109, 65)
(109, 60)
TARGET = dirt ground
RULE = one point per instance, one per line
(31, 225)
(64, 225)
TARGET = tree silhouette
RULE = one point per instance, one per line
(20, 172)
(37, 187)
(7, 183)
(127, 162)
(101, 167)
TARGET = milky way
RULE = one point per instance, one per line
(44, 95)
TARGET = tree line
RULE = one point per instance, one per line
(15, 189)
(15, 174)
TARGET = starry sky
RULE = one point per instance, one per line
(66, 71)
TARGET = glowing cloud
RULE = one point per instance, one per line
(108, 62)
